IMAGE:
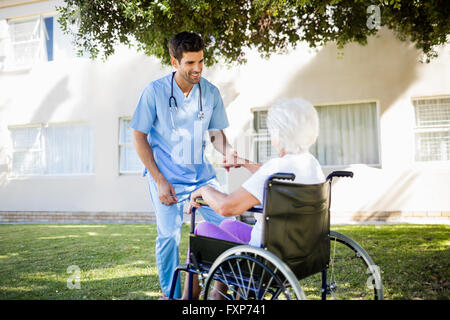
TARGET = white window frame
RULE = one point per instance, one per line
(258, 135)
(428, 128)
(264, 135)
(42, 149)
(377, 128)
(7, 44)
(122, 144)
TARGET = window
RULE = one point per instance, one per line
(129, 161)
(27, 151)
(262, 147)
(348, 134)
(432, 131)
(57, 149)
(27, 41)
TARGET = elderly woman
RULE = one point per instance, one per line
(293, 126)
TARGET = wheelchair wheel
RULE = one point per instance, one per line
(250, 273)
(351, 275)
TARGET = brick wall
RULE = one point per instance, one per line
(392, 216)
(149, 217)
(36, 217)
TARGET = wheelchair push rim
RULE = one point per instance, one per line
(251, 273)
(368, 272)
(350, 275)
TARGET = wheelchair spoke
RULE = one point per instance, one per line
(236, 278)
(230, 287)
(271, 279)
(349, 274)
(251, 279)
(268, 285)
(222, 294)
(348, 278)
(277, 293)
(242, 280)
(259, 295)
(249, 276)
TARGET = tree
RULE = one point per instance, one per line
(230, 26)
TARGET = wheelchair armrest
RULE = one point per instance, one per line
(348, 174)
(258, 209)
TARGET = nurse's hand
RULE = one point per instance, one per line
(166, 193)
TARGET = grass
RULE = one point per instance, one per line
(118, 261)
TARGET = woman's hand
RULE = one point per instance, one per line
(231, 160)
(194, 195)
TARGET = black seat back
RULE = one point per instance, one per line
(297, 224)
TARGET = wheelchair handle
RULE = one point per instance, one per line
(282, 176)
(203, 203)
(345, 174)
(193, 220)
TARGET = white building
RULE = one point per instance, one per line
(66, 153)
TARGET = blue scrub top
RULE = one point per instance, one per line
(179, 154)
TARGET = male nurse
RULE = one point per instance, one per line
(169, 126)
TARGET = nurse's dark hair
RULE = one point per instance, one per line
(185, 42)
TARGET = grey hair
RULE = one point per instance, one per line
(293, 124)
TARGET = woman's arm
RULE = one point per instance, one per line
(251, 166)
(227, 205)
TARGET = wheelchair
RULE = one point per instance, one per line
(300, 257)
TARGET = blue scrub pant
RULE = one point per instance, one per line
(169, 220)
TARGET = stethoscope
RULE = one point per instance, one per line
(201, 115)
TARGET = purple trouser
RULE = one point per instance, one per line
(230, 230)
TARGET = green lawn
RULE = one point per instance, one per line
(118, 261)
